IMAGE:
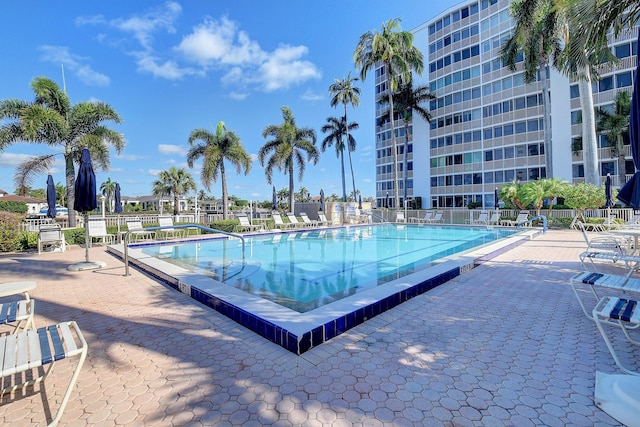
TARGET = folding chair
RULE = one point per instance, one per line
(31, 349)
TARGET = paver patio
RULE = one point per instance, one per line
(505, 344)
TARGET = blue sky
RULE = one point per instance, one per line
(171, 67)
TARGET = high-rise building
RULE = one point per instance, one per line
(487, 125)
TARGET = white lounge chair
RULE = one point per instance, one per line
(437, 218)
(308, 221)
(323, 219)
(293, 220)
(483, 218)
(17, 312)
(27, 351)
(137, 230)
(522, 218)
(245, 224)
(98, 230)
(51, 236)
(279, 223)
(495, 218)
(427, 216)
(400, 217)
(167, 221)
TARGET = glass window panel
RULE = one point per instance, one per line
(497, 154)
(509, 152)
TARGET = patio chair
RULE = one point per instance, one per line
(323, 219)
(522, 218)
(400, 217)
(427, 216)
(437, 218)
(136, 230)
(25, 352)
(293, 220)
(483, 218)
(98, 230)
(610, 223)
(167, 221)
(308, 221)
(495, 218)
(51, 236)
(634, 221)
(623, 313)
(279, 223)
(245, 225)
(20, 312)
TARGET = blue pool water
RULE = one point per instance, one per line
(309, 269)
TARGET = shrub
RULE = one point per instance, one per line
(474, 205)
(16, 207)
(10, 234)
(227, 225)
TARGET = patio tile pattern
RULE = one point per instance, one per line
(504, 344)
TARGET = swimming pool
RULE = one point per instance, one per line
(301, 288)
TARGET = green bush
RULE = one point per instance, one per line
(228, 225)
(15, 207)
(10, 234)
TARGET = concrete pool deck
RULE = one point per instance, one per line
(504, 344)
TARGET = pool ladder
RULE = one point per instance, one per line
(125, 240)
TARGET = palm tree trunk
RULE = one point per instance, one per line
(71, 181)
(396, 197)
(176, 200)
(291, 188)
(589, 141)
(405, 173)
(225, 196)
(622, 176)
(546, 108)
(344, 186)
(353, 178)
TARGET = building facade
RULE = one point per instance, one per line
(487, 124)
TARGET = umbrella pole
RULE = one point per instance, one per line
(86, 236)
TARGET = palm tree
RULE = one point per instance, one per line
(108, 189)
(215, 149)
(606, 14)
(535, 192)
(51, 119)
(616, 126)
(287, 148)
(336, 129)
(394, 49)
(60, 193)
(176, 182)
(409, 99)
(344, 92)
(536, 35)
(511, 192)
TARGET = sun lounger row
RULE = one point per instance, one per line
(429, 217)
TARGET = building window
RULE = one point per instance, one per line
(578, 171)
(624, 79)
(575, 91)
(623, 50)
(576, 117)
(605, 84)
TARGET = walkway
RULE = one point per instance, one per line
(505, 344)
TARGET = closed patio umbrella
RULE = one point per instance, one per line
(322, 200)
(118, 204)
(359, 202)
(274, 200)
(607, 191)
(630, 192)
(85, 201)
(51, 197)
(496, 199)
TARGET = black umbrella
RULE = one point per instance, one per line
(322, 200)
(85, 194)
(118, 205)
(630, 192)
(51, 197)
(496, 199)
(274, 200)
(360, 202)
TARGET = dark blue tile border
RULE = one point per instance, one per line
(318, 335)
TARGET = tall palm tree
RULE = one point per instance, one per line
(616, 126)
(176, 182)
(536, 35)
(394, 49)
(287, 148)
(108, 190)
(409, 99)
(344, 92)
(51, 119)
(215, 149)
(512, 192)
(336, 129)
(605, 15)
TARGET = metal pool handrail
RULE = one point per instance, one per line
(375, 215)
(125, 240)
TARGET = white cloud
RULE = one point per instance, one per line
(284, 68)
(13, 160)
(168, 70)
(142, 27)
(172, 149)
(309, 95)
(238, 96)
(130, 157)
(74, 63)
(154, 172)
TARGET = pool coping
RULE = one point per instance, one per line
(299, 332)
